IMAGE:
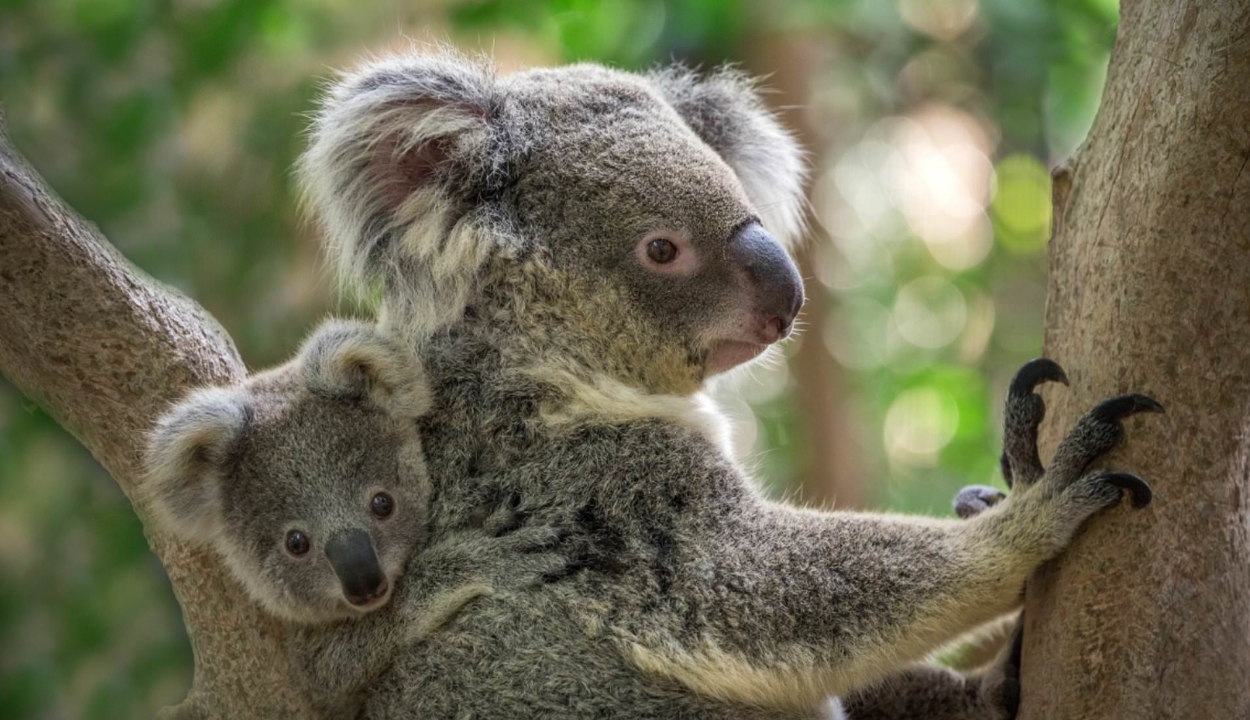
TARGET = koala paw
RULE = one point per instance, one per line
(976, 499)
(514, 552)
(1023, 416)
(1095, 434)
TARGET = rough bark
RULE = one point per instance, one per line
(1148, 614)
(103, 349)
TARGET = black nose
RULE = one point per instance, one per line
(773, 279)
(351, 555)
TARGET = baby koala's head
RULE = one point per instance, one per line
(308, 479)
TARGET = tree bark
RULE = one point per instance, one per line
(1148, 614)
(104, 349)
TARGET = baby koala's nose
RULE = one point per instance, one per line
(356, 564)
(377, 592)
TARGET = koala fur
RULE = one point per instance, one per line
(303, 447)
(307, 445)
(510, 223)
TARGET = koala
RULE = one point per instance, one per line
(310, 483)
(573, 253)
(308, 479)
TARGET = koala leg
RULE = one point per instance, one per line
(937, 693)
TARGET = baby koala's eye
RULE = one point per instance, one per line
(661, 251)
(382, 505)
(296, 542)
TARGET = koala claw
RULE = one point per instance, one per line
(1022, 418)
(1098, 432)
(1138, 489)
(1035, 372)
(1122, 406)
(975, 499)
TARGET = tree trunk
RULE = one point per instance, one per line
(1148, 614)
(104, 349)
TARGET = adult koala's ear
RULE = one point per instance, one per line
(188, 454)
(348, 359)
(725, 109)
(399, 150)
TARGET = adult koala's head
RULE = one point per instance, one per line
(308, 479)
(639, 222)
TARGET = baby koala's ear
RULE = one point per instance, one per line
(725, 109)
(350, 359)
(188, 454)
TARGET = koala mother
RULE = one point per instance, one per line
(573, 252)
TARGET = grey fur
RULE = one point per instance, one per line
(501, 216)
(302, 446)
(306, 445)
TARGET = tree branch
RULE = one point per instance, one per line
(104, 349)
(1148, 614)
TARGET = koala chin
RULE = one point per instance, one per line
(307, 479)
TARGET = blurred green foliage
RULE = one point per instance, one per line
(173, 125)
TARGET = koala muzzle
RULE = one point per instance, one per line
(351, 555)
(773, 278)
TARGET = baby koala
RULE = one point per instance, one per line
(307, 479)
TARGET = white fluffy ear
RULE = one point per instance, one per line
(188, 453)
(344, 358)
(725, 109)
(398, 150)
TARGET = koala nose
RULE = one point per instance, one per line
(351, 555)
(773, 279)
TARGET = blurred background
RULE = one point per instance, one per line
(173, 125)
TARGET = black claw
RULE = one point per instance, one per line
(1121, 406)
(1138, 489)
(1035, 372)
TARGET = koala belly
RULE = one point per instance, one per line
(527, 656)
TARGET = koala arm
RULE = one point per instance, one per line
(940, 691)
(799, 604)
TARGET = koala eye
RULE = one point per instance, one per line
(296, 542)
(661, 251)
(382, 505)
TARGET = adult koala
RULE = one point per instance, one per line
(573, 252)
